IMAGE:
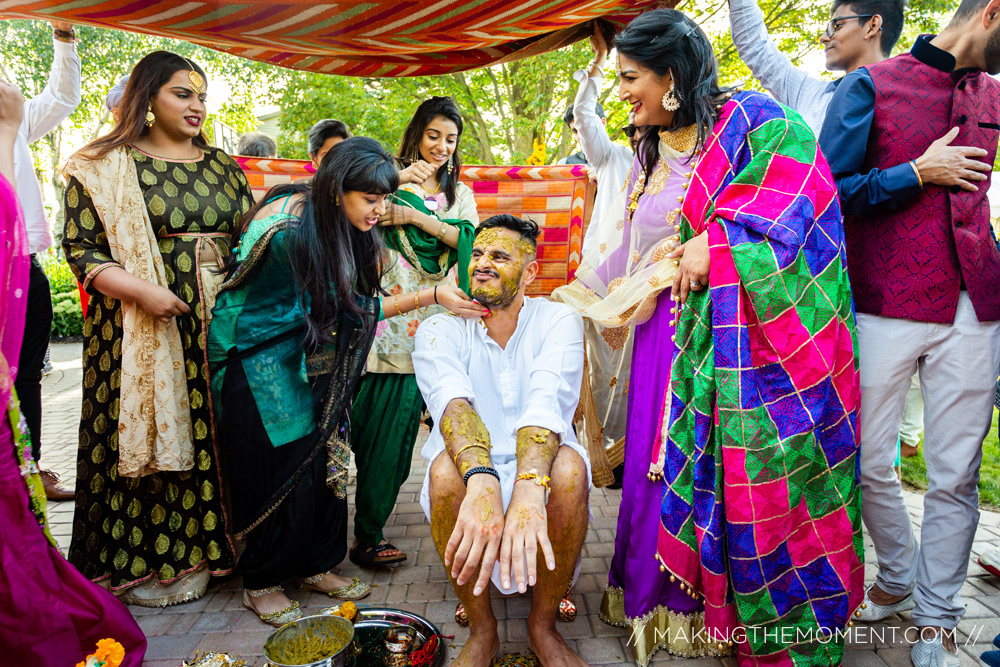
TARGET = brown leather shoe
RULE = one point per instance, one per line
(54, 489)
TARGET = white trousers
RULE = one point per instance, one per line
(958, 365)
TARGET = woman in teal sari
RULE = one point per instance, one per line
(291, 329)
(428, 231)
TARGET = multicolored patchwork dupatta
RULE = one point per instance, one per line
(762, 512)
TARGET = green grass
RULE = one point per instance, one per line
(915, 471)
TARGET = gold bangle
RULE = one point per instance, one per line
(442, 231)
(416, 300)
(916, 171)
(395, 302)
(475, 444)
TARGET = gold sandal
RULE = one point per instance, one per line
(275, 618)
(356, 590)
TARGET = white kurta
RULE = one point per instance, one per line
(534, 381)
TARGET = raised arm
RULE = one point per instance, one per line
(769, 65)
(61, 94)
(593, 133)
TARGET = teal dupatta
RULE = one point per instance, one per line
(427, 253)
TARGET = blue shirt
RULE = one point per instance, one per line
(844, 140)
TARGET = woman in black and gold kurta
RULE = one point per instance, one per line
(149, 213)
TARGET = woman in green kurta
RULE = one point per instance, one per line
(288, 342)
(428, 231)
(149, 212)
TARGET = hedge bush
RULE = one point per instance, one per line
(67, 317)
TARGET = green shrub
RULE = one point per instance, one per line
(67, 317)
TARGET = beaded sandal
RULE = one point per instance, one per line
(275, 618)
(356, 590)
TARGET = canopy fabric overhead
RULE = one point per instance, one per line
(352, 37)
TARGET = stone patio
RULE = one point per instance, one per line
(218, 622)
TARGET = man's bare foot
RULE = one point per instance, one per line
(270, 603)
(481, 648)
(907, 450)
(549, 646)
(878, 596)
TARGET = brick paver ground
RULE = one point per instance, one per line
(219, 622)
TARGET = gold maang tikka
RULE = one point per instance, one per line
(196, 79)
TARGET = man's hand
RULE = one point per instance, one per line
(526, 528)
(591, 175)
(600, 46)
(942, 164)
(478, 529)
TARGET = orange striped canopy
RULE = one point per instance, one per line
(558, 197)
(351, 37)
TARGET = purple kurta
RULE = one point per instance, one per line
(659, 613)
(634, 567)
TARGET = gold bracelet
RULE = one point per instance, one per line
(416, 300)
(916, 171)
(475, 444)
(442, 231)
(395, 302)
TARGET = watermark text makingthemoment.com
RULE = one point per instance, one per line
(858, 634)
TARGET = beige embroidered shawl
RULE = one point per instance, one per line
(154, 420)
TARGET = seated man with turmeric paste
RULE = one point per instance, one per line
(507, 484)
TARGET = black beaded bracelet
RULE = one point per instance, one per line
(477, 470)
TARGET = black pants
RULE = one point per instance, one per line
(307, 533)
(37, 329)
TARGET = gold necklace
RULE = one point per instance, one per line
(682, 140)
(429, 191)
(200, 155)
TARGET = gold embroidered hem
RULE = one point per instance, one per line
(679, 634)
(616, 453)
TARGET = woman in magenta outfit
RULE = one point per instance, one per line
(50, 614)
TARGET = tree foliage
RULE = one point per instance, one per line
(506, 107)
(26, 52)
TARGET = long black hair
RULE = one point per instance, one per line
(428, 110)
(328, 253)
(666, 40)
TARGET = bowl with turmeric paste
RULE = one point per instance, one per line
(311, 641)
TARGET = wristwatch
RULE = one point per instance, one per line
(64, 34)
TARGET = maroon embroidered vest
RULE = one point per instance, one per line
(911, 262)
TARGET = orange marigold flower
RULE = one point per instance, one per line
(110, 652)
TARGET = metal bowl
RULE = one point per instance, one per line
(373, 621)
(332, 629)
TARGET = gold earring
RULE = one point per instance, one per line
(415, 156)
(336, 200)
(451, 163)
(150, 118)
(671, 100)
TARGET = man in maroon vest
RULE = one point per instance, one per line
(911, 142)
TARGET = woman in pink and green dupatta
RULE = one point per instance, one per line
(760, 516)
(50, 614)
